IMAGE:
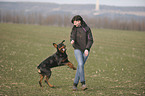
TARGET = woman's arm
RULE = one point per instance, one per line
(72, 36)
(90, 39)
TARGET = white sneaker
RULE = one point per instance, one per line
(75, 88)
(84, 87)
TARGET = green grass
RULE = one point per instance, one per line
(115, 67)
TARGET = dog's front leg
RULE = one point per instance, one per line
(70, 65)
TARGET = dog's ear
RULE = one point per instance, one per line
(63, 41)
(55, 45)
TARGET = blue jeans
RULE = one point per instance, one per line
(81, 59)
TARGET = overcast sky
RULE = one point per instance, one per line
(103, 2)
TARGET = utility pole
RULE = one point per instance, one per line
(97, 5)
(97, 9)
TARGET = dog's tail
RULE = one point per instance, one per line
(38, 67)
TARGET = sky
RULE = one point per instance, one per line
(102, 2)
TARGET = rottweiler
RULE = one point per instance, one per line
(59, 58)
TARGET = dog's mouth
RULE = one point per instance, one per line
(62, 49)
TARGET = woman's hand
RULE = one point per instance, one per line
(86, 52)
(72, 41)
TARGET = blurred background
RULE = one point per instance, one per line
(102, 14)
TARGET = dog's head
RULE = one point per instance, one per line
(60, 47)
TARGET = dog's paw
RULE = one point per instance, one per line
(74, 68)
(52, 86)
(40, 84)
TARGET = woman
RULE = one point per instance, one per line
(82, 40)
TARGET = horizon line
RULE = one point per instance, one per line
(75, 3)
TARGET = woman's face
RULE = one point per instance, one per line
(77, 23)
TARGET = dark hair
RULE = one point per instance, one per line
(76, 18)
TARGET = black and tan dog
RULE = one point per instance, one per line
(60, 58)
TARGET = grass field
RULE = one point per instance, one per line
(115, 67)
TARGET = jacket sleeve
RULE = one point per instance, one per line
(73, 34)
(90, 40)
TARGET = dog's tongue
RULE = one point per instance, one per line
(63, 49)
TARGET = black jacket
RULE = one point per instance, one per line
(82, 36)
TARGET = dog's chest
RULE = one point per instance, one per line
(54, 60)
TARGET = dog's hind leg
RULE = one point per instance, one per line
(46, 81)
(48, 74)
(41, 78)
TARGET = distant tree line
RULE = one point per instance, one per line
(64, 21)
(117, 23)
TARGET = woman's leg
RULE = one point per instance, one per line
(81, 59)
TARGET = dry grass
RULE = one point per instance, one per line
(115, 66)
